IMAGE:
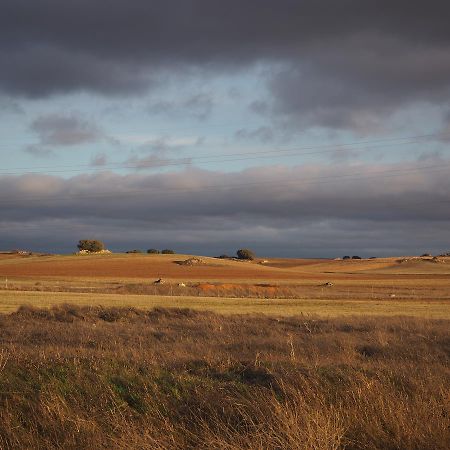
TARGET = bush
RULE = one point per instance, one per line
(356, 257)
(245, 253)
(91, 245)
(153, 251)
(167, 251)
(134, 251)
(224, 257)
(346, 257)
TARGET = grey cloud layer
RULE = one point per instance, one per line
(63, 130)
(198, 106)
(58, 131)
(337, 64)
(315, 208)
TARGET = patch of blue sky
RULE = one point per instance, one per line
(208, 123)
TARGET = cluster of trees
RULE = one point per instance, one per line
(242, 253)
(245, 253)
(94, 246)
(91, 245)
(166, 251)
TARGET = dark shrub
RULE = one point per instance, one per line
(426, 255)
(346, 257)
(153, 251)
(356, 257)
(167, 251)
(245, 253)
(134, 251)
(91, 245)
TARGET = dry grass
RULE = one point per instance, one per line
(92, 377)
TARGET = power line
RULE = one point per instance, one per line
(241, 156)
(314, 180)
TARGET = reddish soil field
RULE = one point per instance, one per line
(136, 267)
(275, 278)
(119, 266)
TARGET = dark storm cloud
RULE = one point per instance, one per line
(357, 82)
(320, 208)
(335, 64)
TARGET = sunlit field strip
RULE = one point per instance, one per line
(11, 300)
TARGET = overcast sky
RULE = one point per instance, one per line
(295, 128)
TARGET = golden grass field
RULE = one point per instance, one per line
(383, 286)
(440, 309)
(243, 355)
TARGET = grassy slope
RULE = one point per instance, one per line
(77, 378)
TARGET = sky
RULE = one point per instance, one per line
(295, 128)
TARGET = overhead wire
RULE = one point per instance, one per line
(240, 156)
(184, 189)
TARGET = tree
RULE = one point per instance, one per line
(167, 251)
(245, 253)
(153, 251)
(91, 245)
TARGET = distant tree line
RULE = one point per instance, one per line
(94, 246)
